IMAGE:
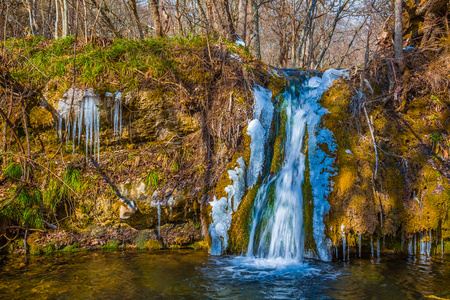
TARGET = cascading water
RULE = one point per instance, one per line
(223, 208)
(277, 226)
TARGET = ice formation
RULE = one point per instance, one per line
(79, 112)
(223, 208)
(259, 129)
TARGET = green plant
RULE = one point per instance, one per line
(436, 137)
(435, 99)
(152, 179)
(71, 248)
(56, 192)
(13, 171)
(49, 248)
(25, 209)
(175, 166)
(111, 245)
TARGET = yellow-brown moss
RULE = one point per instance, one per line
(240, 225)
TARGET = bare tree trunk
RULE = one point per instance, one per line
(56, 18)
(211, 17)
(330, 35)
(351, 42)
(217, 17)
(65, 23)
(311, 41)
(136, 18)
(229, 28)
(154, 4)
(242, 20)
(255, 12)
(85, 22)
(305, 31)
(30, 15)
(106, 18)
(398, 38)
(203, 14)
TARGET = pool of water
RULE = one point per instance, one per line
(196, 275)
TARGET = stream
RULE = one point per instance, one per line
(197, 275)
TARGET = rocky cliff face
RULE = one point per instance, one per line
(184, 108)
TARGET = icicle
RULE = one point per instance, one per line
(442, 247)
(348, 254)
(223, 208)
(60, 127)
(410, 248)
(80, 122)
(359, 244)
(67, 131)
(384, 241)
(118, 112)
(343, 247)
(430, 244)
(415, 244)
(371, 245)
(74, 132)
(343, 241)
(422, 244)
(159, 219)
(337, 252)
(378, 247)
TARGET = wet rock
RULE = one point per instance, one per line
(126, 212)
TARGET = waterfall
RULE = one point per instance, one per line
(222, 209)
(277, 216)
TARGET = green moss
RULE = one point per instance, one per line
(71, 248)
(201, 245)
(153, 245)
(277, 85)
(278, 148)
(246, 145)
(13, 171)
(240, 224)
(49, 248)
(124, 61)
(36, 249)
(111, 245)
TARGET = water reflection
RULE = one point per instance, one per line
(187, 275)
